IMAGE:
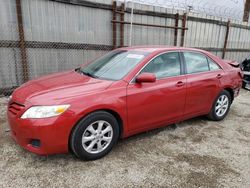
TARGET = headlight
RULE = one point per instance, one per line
(36, 112)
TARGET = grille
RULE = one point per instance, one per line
(15, 108)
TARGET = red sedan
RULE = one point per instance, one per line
(127, 91)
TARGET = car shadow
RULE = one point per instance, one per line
(197, 121)
(169, 128)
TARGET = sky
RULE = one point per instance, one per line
(232, 9)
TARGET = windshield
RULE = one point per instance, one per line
(114, 65)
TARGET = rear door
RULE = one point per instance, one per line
(203, 82)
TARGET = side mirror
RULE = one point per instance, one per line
(146, 77)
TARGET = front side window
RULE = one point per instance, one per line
(165, 65)
(195, 62)
(114, 65)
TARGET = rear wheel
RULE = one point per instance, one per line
(94, 136)
(221, 106)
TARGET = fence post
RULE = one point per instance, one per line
(246, 11)
(114, 24)
(176, 29)
(122, 25)
(226, 39)
(184, 20)
(22, 41)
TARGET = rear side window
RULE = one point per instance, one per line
(195, 62)
(213, 65)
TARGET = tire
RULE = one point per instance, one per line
(94, 136)
(220, 104)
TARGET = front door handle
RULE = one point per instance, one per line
(180, 84)
(219, 76)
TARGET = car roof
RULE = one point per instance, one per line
(153, 48)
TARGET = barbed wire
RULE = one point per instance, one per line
(232, 9)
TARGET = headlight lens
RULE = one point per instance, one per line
(37, 112)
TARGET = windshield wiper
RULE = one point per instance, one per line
(85, 73)
(78, 69)
(89, 74)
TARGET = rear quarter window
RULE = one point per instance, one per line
(213, 65)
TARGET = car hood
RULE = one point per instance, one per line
(55, 88)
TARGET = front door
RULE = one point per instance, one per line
(151, 105)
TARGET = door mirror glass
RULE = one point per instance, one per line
(146, 77)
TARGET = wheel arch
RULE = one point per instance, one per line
(230, 90)
(117, 116)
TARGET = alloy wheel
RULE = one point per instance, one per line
(97, 137)
(222, 105)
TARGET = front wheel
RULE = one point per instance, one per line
(94, 136)
(221, 106)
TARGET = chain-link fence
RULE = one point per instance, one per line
(38, 37)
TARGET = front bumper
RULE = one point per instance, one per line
(52, 133)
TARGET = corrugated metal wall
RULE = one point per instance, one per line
(9, 57)
(144, 35)
(69, 23)
(58, 22)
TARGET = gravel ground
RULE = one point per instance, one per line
(195, 153)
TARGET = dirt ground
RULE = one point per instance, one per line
(195, 153)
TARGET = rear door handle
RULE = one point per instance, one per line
(180, 83)
(219, 76)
